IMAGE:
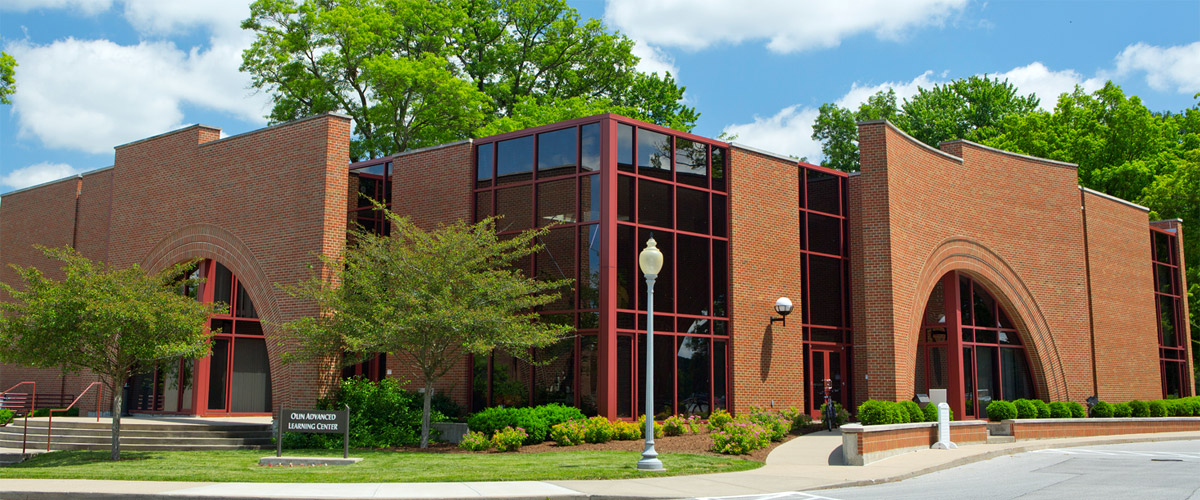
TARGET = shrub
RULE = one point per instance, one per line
(557, 413)
(999, 410)
(569, 433)
(1025, 408)
(658, 428)
(718, 419)
(627, 431)
(1077, 410)
(798, 417)
(1121, 410)
(1178, 408)
(493, 419)
(914, 411)
(45, 412)
(1139, 409)
(1157, 409)
(931, 412)
(778, 425)
(873, 412)
(6, 416)
(597, 430)
(841, 416)
(740, 438)
(695, 424)
(1102, 410)
(1043, 409)
(675, 425)
(509, 438)
(475, 441)
(1058, 409)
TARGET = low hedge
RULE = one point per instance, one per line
(1001, 410)
(1025, 408)
(536, 421)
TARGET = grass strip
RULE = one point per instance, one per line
(377, 466)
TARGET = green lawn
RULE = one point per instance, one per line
(377, 466)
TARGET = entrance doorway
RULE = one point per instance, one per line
(825, 362)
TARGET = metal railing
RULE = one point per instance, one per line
(32, 405)
(50, 421)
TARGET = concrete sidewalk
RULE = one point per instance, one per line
(804, 463)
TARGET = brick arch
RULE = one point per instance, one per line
(1006, 286)
(209, 241)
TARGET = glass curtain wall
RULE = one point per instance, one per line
(543, 179)
(825, 287)
(369, 180)
(239, 373)
(1172, 343)
(674, 188)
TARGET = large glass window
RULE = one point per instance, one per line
(1168, 302)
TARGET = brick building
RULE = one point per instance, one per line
(989, 274)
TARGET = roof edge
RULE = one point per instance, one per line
(276, 126)
(1114, 198)
(56, 181)
(764, 152)
(428, 148)
(904, 134)
(1056, 163)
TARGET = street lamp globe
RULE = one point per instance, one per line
(651, 259)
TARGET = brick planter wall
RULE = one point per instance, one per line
(1050, 428)
(862, 445)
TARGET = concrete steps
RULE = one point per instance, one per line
(136, 435)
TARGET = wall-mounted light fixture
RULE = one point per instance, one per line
(783, 307)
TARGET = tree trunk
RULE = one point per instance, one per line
(425, 413)
(116, 423)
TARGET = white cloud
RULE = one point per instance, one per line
(90, 95)
(785, 25)
(1167, 68)
(87, 7)
(790, 130)
(160, 17)
(37, 173)
(654, 60)
(787, 132)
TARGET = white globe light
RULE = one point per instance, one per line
(651, 259)
(783, 306)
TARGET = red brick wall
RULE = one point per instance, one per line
(918, 437)
(95, 205)
(767, 358)
(1011, 222)
(1123, 314)
(432, 187)
(1058, 428)
(265, 203)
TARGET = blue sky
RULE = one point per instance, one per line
(97, 73)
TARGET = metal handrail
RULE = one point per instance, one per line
(50, 420)
(32, 405)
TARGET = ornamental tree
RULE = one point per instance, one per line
(112, 322)
(429, 296)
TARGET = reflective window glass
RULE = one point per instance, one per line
(624, 376)
(625, 147)
(589, 145)
(694, 297)
(554, 375)
(825, 290)
(556, 202)
(556, 152)
(1163, 277)
(692, 210)
(589, 266)
(589, 373)
(627, 252)
(720, 216)
(691, 162)
(245, 306)
(824, 234)
(1166, 315)
(483, 165)
(516, 205)
(654, 203)
(823, 193)
(985, 308)
(719, 376)
(1162, 247)
(589, 198)
(223, 285)
(625, 198)
(664, 296)
(514, 160)
(718, 168)
(483, 205)
(720, 281)
(654, 154)
(556, 261)
(693, 363)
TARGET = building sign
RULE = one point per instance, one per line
(314, 422)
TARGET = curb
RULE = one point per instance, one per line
(988, 455)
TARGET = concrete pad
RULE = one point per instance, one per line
(278, 461)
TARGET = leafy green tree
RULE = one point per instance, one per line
(8, 85)
(419, 73)
(430, 296)
(112, 322)
(970, 108)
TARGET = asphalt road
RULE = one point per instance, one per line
(1161, 470)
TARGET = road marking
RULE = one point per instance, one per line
(797, 495)
(1121, 453)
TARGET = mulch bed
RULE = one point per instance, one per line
(688, 443)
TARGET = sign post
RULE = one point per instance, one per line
(314, 422)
